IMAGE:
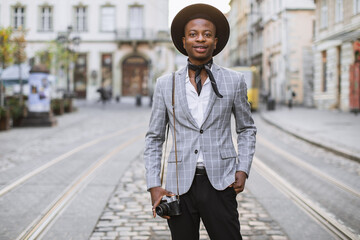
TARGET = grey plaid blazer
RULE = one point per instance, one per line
(215, 140)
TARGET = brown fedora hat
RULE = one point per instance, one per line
(200, 11)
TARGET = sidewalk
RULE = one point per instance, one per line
(333, 130)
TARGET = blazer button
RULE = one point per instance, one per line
(196, 151)
(201, 131)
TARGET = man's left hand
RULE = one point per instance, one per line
(240, 179)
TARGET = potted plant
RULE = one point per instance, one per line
(68, 106)
(18, 111)
(4, 118)
(57, 106)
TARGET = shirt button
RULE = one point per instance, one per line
(201, 131)
(196, 151)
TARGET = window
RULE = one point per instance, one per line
(356, 7)
(108, 19)
(136, 21)
(80, 19)
(339, 15)
(324, 71)
(324, 14)
(18, 17)
(46, 21)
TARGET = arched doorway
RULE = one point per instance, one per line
(135, 74)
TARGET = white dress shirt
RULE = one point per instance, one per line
(198, 104)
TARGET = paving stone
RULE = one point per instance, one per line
(128, 215)
(141, 238)
(279, 238)
(112, 234)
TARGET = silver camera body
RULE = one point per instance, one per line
(169, 206)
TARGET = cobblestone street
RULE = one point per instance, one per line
(128, 216)
(112, 203)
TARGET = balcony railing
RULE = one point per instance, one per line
(141, 35)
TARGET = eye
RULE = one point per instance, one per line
(192, 34)
(208, 35)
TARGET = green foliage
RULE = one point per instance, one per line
(17, 109)
(56, 55)
(20, 45)
(6, 46)
(3, 111)
(57, 106)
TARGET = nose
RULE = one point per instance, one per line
(200, 38)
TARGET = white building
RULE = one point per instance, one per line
(124, 44)
(287, 36)
(337, 42)
(267, 34)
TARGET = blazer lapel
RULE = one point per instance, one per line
(216, 73)
(180, 77)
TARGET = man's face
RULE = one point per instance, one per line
(200, 41)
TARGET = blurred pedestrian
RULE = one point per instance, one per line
(290, 94)
(105, 94)
(210, 172)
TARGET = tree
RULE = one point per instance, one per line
(6, 55)
(57, 56)
(20, 55)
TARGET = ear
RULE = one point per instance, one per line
(215, 42)
(183, 40)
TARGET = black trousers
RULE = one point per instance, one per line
(217, 209)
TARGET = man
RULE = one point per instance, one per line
(210, 172)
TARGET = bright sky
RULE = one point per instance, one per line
(176, 5)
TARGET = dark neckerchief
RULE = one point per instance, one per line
(207, 67)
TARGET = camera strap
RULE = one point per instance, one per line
(173, 109)
(166, 139)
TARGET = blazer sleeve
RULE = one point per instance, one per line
(155, 138)
(245, 127)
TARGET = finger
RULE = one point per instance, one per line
(239, 189)
(157, 202)
(166, 217)
(154, 212)
(169, 194)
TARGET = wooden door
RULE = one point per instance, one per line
(135, 76)
(80, 76)
(355, 87)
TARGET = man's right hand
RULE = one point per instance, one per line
(157, 194)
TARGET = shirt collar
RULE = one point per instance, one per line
(187, 79)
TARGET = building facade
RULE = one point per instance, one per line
(287, 43)
(267, 34)
(238, 18)
(256, 37)
(120, 45)
(336, 52)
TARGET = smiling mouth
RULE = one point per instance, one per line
(200, 48)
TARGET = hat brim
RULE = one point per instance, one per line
(187, 13)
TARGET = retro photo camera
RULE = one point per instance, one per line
(169, 206)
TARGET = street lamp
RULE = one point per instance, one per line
(69, 45)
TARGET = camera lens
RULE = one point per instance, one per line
(162, 209)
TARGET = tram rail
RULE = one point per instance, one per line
(295, 160)
(337, 228)
(38, 226)
(306, 204)
(21, 180)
